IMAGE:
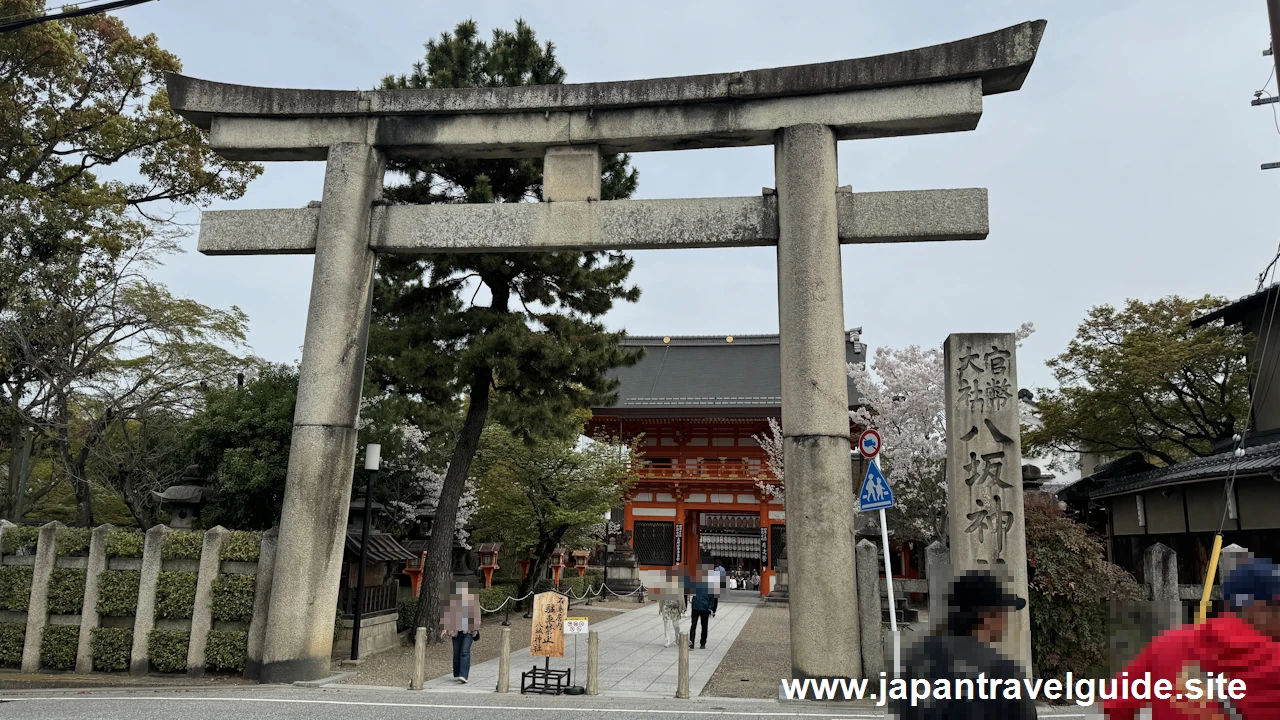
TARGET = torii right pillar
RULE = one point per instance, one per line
(984, 470)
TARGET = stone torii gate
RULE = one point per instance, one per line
(802, 111)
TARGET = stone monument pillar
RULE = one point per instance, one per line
(322, 454)
(815, 408)
(984, 470)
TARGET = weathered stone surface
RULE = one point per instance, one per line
(261, 603)
(202, 611)
(815, 408)
(937, 568)
(869, 608)
(38, 606)
(144, 618)
(1000, 60)
(89, 612)
(898, 216)
(1160, 565)
(984, 469)
(571, 173)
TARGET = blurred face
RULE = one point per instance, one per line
(1264, 617)
(995, 624)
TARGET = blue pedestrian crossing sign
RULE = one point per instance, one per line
(876, 493)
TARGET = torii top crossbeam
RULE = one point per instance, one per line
(927, 90)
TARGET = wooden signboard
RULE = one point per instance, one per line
(549, 610)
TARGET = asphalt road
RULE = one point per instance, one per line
(288, 703)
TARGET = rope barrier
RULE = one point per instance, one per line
(589, 591)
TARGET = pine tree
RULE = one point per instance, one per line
(536, 351)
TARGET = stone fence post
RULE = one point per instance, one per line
(38, 606)
(1160, 566)
(202, 611)
(145, 616)
(261, 602)
(872, 637)
(937, 570)
(89, 619)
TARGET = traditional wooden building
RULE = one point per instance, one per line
(698, 404)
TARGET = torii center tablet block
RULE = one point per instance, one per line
(801, 110)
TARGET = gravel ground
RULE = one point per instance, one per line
(394, 667)
(758, 658)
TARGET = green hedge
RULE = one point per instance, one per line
(71, 541)
(118, 592)
(182, 545)
(241, 546)
(66, 591)
(15, 587)
(408, 611)
(493, 597)
(167, 650)
(125, 543)
(233, 597)
(577, 586)
(19, 538)
(175, 595)
(226, 650)
(12, 636)
(58, 647)
(111, 648)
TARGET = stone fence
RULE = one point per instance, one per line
(115, 599)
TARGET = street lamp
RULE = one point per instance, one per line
(372, 458)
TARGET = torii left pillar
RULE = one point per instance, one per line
(322, 454)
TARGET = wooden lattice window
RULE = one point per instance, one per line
(655, 542)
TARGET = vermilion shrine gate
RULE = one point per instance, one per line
(802, 111)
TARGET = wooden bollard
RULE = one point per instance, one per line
(419, 659)
(504, 663)
(593, 663)
(682, 682)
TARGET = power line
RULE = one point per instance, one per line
(9, 24)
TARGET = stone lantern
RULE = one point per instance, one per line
(184, 500)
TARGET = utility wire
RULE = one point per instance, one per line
(9, 24)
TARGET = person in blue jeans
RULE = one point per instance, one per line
(461, 622)
(705, 590)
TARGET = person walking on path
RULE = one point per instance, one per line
(1238, 646)
(669, 609)
(704, 602)
(462, 623)
(978, 617)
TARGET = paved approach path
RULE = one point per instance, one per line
(632, 658)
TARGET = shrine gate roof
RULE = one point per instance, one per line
(709, 376)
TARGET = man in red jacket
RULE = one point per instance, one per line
(1198, 666)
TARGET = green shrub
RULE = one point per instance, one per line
(125, 543)
(408, 611)
(1070, 592)
(58, 647)
(241, 546)
(66, 591)
(15, 587)
(71, 541)
(543, 585)
(118, 592)
(577, 586)
(12, 636)
(167, 650)
(233, 597)
(226, 650)
(182, 545)
(19, 539)
(111, 648)
(175, 595)
(491, 598)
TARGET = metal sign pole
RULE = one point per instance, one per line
(888, 578)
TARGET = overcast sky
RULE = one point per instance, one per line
(1126, 167)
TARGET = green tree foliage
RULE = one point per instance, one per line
(240, 441)
(1141, 379)
(93, 167)
(1071, 588)
(536, 346)
(548, 493)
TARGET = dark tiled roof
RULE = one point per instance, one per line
(382, 547)
(1233, 310)
(711, 372)
(1256, 460)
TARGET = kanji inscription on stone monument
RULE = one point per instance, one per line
(984, 468)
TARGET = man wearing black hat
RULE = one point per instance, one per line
(963, 648)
